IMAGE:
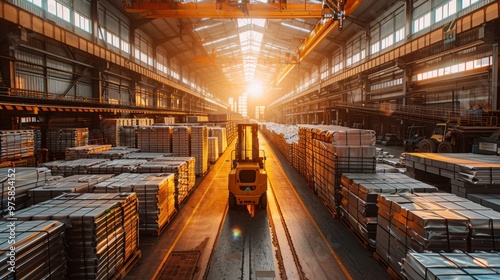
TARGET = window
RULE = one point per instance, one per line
(467, 3)
(387, 41)
(59, 10)
(375, 48)
(400, 34)
(36, 2)
(446, 10)
(125, 47)
(456, 68)
(422, 22)
(82, 22)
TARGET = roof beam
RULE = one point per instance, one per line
(225, 10)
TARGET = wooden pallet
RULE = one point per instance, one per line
(392, 274)
(358, 236)
(131, 262)
(159, 231)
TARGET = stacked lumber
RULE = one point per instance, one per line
(114, 153)
(39, 250)
(16, 144)
(22, 179)
(155, 193)
(84, 151)
(213, 149)
(101, 230)
(432, 223)
(72, 167)
(359, 198)
(57, 186)
(422, 266)
(181, 139)
(154, 139)
(59, 139)
(127, 136)
(116, 166)
(199, 148)
(221, 135)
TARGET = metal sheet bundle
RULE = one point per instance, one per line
(360, 193)
(433, 222)
(146, 156)
(84, 151)
(16, 144)
(154, 139)
(101, 230)
(199, 148)
(59, 139)
(114, 153)
(116, 166)
(181, 140)
(155, 193)
(72, 167)
(213, 149)
(111, 128)
(127, 136)
(434, 266)
(57, 186)
(220, 133)
(191, 168)
(22, 179)
(480, 173)
(39, 250)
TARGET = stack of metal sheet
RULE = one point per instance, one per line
(146, 156)
(213, 149)
(116, 166)
(191, 168)
(114, 153)
(360, 193)
(181, 141)
(57, 186)
(220, 133)
(21, 179)
(59, 139)
(433, 222)
(16, 144)
(127, 136)
(434, 266)
(39, 250)
(72, 167)
(480, 173)
(154, 139)
(178, 168)
(111, 128)
(155, 193)
(488, 200)
(84, 151)
(101, 230)
(199, 148)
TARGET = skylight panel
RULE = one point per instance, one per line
(295, 27)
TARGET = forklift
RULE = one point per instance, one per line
(247, 181)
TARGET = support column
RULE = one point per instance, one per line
(495, 101)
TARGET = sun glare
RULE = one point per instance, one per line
(255, 89)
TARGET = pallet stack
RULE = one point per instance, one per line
(84, 151)
(101, 230)
(221, 135)
(181, 140)
(213, 149)
(57, 186)
(433, 223)
(360, 191)
(199, 148)
(155, 193)
(481, 265)
(59, 139)
(154, 139)
(127, 136)
(23, 179)
(112, 127)
(116, 166)
(16, 144)
(72, 167)
(40, 250)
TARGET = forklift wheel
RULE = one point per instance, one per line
(263, 201)
(231, 201)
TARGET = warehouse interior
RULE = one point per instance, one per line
(101, 96)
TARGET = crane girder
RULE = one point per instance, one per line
(225, 10)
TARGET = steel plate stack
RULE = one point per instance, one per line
(101, 230)
(72, 167)
(433, 222)
(127, 136)
(199, 148)
(359, 198)
(84, 151)
(59, 139)
(16, 144)
(114, 153)
(40, 250)
(181, 140)
(434, 266)
(213, 149)
(480, 173)
(220, 133)
(116, 166)
(178, 168)
(112, 127)
(58, 185)
(191, 168)
(22, 179)
(146, 156)
(155, 193)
